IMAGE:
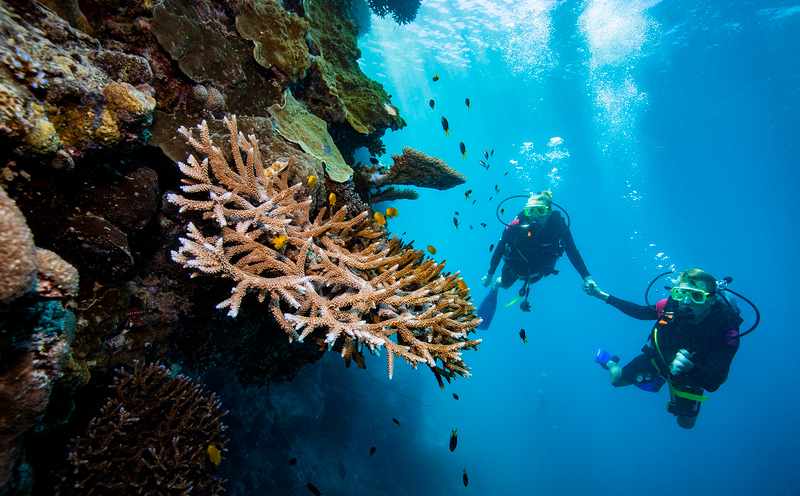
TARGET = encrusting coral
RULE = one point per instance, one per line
(336, 273)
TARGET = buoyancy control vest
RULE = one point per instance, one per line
(537, 252)
(674, 332)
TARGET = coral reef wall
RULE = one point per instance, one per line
(92, 94)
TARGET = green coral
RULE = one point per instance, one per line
(279, 36)
(363, 101)
(297, 125)
(202, 52)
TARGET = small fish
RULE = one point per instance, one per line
(327, 149)
(391, 212)
(456, 213)
(490, 198)
(502, 210)
(455, 396)
(432, 249)
(292, 462)
(380, 219)
(467, 193)
(483, 164)
(483, 224)
(373, 160)
(332, 199)
(372, 451)
(486, 155)
(470, 227)
(445, 126)
(435, 77)
(391, 109)
(492, 154)
(491, 247)
(432, 103)
(462, 285)
(279, 241)
(213, 454)
(465, 478)
(467, 102)
(396, 421)
(312, 180)
(455, 221)
(522, 335)
(316, 492)
(506, 173)
(453, 440)
(496, 189)
(473, 201)
(463, 148)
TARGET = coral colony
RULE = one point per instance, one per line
(336, 274)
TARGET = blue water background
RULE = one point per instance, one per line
(679, 127)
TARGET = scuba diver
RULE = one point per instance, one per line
(690, 347)
(530, 246)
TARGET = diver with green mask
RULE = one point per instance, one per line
(529, 247)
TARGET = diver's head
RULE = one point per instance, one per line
(537, 210)
(695, 293)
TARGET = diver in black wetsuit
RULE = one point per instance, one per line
(530, 247)
(691, 346)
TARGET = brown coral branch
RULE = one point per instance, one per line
(341, 275)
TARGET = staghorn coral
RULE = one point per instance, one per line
(338, 274)
(151, 437)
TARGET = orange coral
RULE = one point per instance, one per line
(340, 275)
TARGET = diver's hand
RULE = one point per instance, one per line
(592, 289)
(681, 364)
(487, 280)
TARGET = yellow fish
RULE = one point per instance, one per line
(312, 180)
(391, 212)
(332, 199)
(432, 250)
(380, 219)
(462, 284)
(279, 241)
(213, 454)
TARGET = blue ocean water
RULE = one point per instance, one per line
(670, 132)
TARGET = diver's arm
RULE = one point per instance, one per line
(641, 312)
(573, 254)
(711, 375)
(499, 250)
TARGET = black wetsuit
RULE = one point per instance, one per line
(532, 253)
(709, 341)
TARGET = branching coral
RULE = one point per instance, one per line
(338, 274)
(152, 437)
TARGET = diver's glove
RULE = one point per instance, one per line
(681, 364)
(487, 280)
(525, 306)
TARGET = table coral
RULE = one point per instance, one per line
(415, 168)
(338, 274)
